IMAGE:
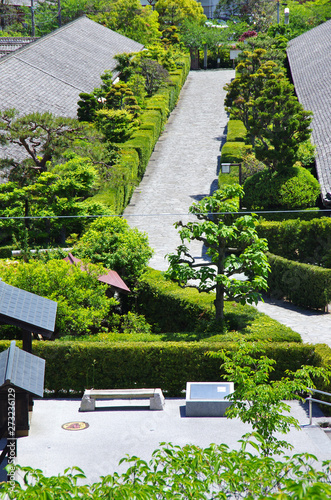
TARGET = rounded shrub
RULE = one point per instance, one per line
(293, 188)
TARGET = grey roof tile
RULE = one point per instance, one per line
(50, 73)
(309, 57)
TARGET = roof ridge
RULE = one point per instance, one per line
(42, 38)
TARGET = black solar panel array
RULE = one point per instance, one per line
(27, 310)
(22, 369)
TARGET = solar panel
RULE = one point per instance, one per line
(27, 310)
(22, 369)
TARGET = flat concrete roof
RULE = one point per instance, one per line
(115, 431)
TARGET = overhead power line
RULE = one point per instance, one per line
(258, 212)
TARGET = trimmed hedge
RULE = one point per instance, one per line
(302, 284)
(323, 358)
(171, 309)
(143, 142)
(151, 120)
(299, 240)
(5, 252)
(236, 131)
(136, 152)
(232, 152)
(73, 367)
(293, 188)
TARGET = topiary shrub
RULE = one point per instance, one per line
(294, 188)
(236, 131)
(233, 152)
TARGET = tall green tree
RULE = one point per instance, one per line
(260, 401)
(258, 13)
(61, 192)
(174, 12)
(232, 245)
(129, 18)
(40, 136)
(263, 99)
(114, 244)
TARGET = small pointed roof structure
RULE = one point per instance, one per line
(111, 278)
(27, 310)
(23, 370)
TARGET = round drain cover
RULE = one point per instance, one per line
(75, 426)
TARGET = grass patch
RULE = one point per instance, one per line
(242, 322)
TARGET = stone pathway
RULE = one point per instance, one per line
(184, 165)
(183, 168)
(313, 326)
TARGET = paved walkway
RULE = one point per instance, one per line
(182, 169)
(184, 165)
(118, 428)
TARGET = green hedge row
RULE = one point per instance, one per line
(236, 131)
(299, 240)
(135, 153)
(323, 358)
(73, 367)
(232, 152)
(169, 307)
(304, 285)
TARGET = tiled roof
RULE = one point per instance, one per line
(50, 73)
(9, 44)
(111, 278)
(309, 57)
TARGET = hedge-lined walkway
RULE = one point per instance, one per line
(184, 168)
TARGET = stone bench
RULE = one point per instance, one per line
(155, 396)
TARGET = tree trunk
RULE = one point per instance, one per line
(219, 303)
(219, 300)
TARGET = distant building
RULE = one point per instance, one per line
(208, 6)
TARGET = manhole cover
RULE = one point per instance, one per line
(75, 426)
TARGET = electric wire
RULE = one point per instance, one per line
(185, 214)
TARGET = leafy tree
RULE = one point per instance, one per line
(231, 243)
(154, 75)
(259, 401)
(187, 472)
(129, 18)
(117, 125)
(82, 301)
(47, 14)
(306, 15)
(112, 243)
(40, 135)
(259, 13)
(60, 192)
(126, 65)
(174, 12)
(120, 96)
(196, 36)
(264, 100)
(170, 36)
